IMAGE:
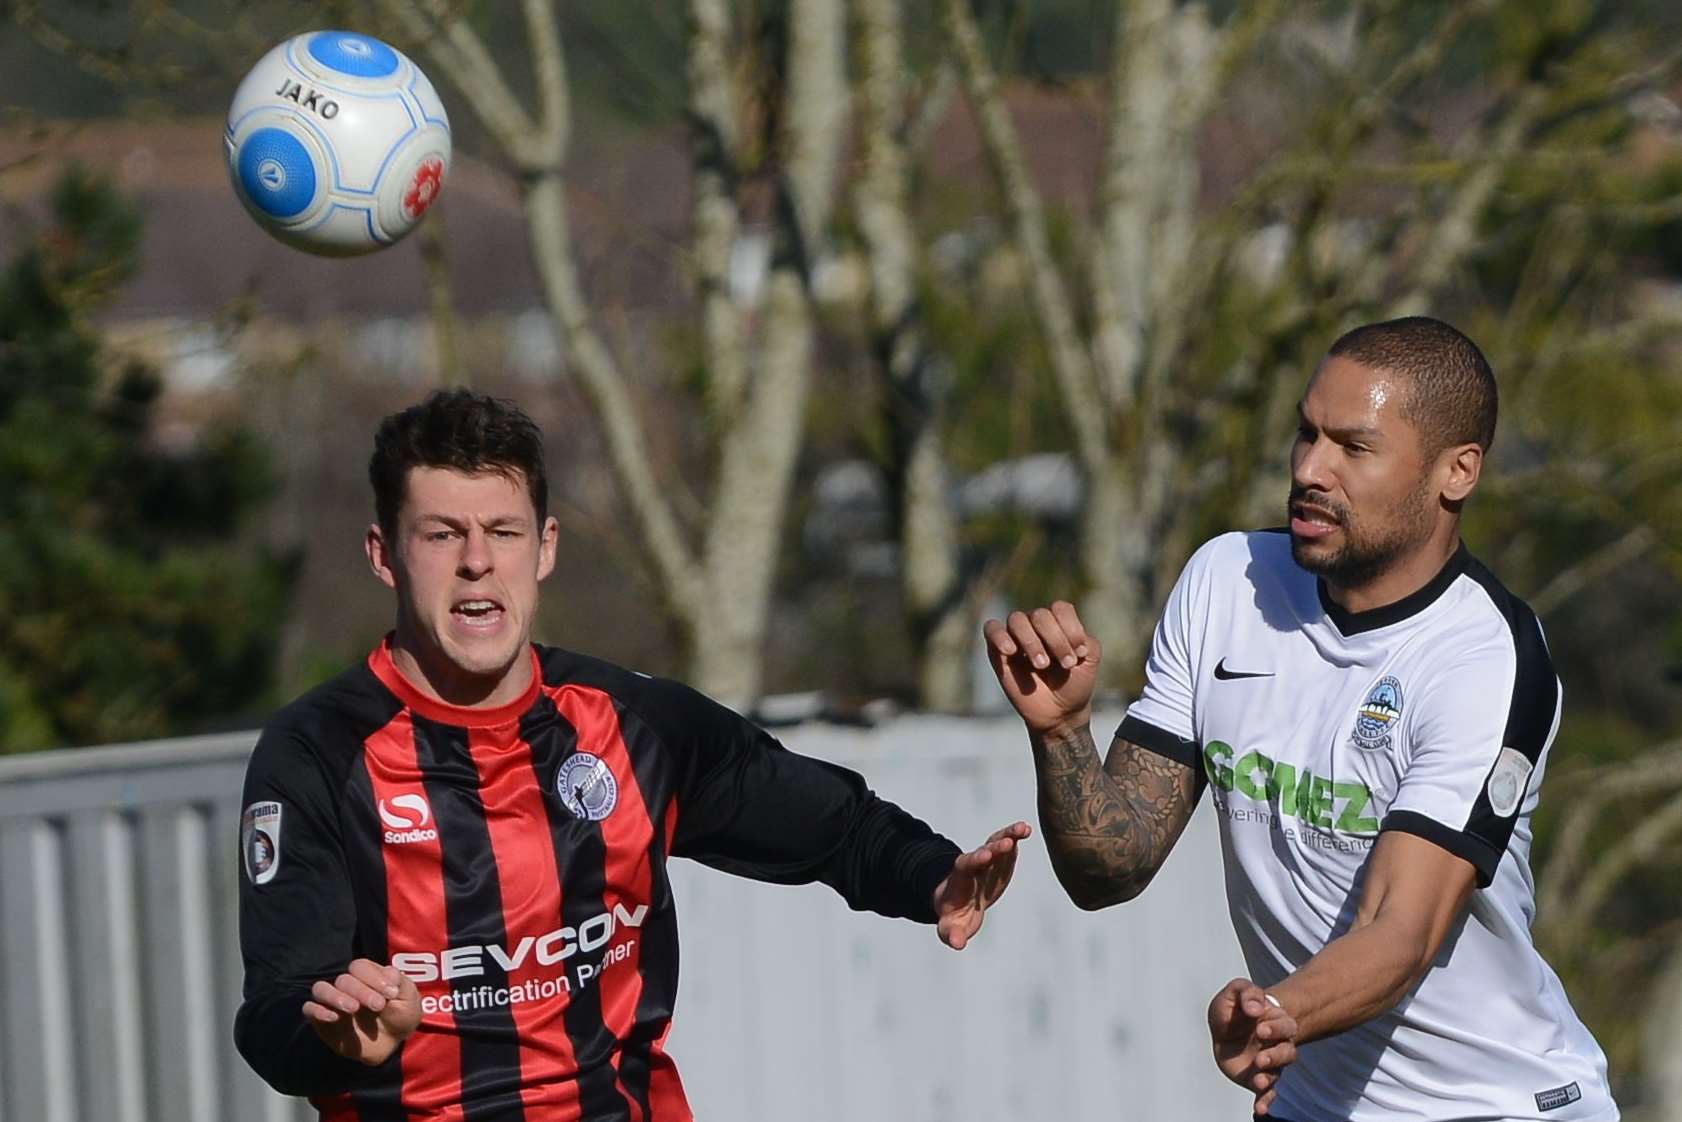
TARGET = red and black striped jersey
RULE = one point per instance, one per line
(512, 862)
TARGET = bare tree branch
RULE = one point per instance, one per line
(713, 145)
(1592, 569)
(1182, 276)
(441, 297)
(1425, 58)
(239, 34)
(554, 122)
(1640, 844)
(1247, 27)
(880, 191)
(1656, 770)
(928, 526)
(626, 440)
(815, 113)
(1076, 379)
(1312, 160)
(756, 466)
(114, 66)
(1141, 94)
(459, 51)
(932, 101)
(1453, 230)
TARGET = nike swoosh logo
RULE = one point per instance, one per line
(1225, 675)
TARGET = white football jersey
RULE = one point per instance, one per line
(1316, 728)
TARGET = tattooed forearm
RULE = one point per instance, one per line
(1109, 828)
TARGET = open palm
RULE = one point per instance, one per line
(978, 878)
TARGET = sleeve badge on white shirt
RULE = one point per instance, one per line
(1507, 780)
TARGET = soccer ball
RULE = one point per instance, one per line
(337, 143)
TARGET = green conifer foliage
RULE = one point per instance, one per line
(129, 605)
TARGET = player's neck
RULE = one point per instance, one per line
(1408, 575)
(435, 676)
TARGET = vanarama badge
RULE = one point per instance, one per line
(1377, 717)
(587, 787)
(259, 841)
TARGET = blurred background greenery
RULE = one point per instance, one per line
(1001, 301)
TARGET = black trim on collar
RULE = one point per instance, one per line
(1354, 623)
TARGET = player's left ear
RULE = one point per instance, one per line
(381, 557)
(546, 547)
(1460, 466)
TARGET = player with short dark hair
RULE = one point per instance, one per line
(455, 901)
(1448, 389)
(462, 431)
(1371, 711)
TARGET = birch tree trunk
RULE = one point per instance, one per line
(760, 445)
(943, 621)
(1139, 412)
(720, 590)
(1100, 383)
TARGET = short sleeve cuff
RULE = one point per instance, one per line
(1162, 742)
(1470, 848)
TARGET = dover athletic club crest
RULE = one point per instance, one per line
(587, 787)
(1377, 717)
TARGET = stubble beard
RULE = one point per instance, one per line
(1365, 555)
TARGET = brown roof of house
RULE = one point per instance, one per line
(202, 250)
(628, 210)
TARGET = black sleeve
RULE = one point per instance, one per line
(749, 806)
(297, 917)
(1165, 743)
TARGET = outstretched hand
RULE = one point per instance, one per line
(1047, 664)
(1254, 1039)
(978, 878)
(365, 1013)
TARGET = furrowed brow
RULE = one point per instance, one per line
(1338, 432)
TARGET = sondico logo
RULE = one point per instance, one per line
(1311, 799)
(545, 950)
(405, 829)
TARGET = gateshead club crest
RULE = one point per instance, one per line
(587, 787)
(1376, 720)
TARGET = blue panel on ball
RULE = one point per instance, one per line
(276, 171)
(350, 53)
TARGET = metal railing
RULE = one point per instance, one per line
(121, 971)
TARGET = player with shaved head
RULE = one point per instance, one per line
(1371, 712)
